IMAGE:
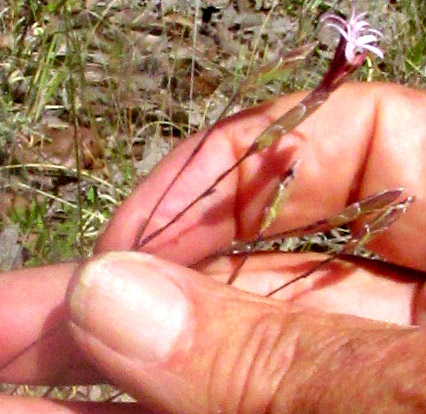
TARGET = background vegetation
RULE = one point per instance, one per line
(94, 93)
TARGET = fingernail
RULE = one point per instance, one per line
(126, 300)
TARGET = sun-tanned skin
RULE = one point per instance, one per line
(302, 351)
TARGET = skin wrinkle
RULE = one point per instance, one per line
(240, 376)
(313, 385)
(229, 359)
(243, 375)
(408, 393)
(278, 355)
(294, 345)
(276, 397)
(289, 337)
(356, 187)
(245, 372)
(319, 357)
(357, 355)
(238, 152)
(217, 389)
(377, 110)
(354, 350)
(258, 350)
(329, 375)
(218, 360)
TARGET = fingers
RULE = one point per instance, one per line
(21, 405)
(379, 150)
(397, 158)
(34, 316)
(210, 224)
(213, 222)
(359, 287)
(35, 344)
(182, 343)
(366, 138)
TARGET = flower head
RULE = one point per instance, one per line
(357, 32)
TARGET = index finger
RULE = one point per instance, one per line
(366, 138)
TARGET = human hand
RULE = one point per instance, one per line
(225, 348)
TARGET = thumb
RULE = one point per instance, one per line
(182, 343)
(172, 338)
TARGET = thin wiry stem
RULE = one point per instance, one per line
(271, 212)
(371, 229)
(188, 161)
(260, 76)
(204, 194)
(339, 70)
(312, 270)
(369, 205)
(285, 124)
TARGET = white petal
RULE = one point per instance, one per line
(339, 29)
(376, 32)
(373, 49)
(359, 16)
(363, 25)
(362, 40)
(350, 52)
(333, 17)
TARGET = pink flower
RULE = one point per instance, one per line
(358, 33)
